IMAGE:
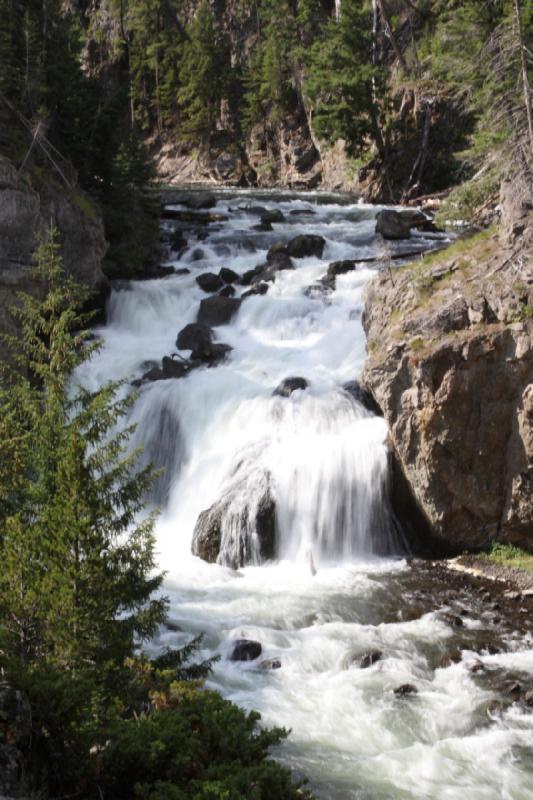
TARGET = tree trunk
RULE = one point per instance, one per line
(525, 80)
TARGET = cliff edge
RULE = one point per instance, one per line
(450, 363)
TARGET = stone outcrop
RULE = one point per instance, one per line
(25, 215)
(450, 364)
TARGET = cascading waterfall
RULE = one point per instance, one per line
(296, 488)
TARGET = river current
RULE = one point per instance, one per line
(330, 598)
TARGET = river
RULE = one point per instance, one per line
(340, 589)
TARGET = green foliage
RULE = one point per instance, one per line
(511, 556)
(73, 495)
(466, 200)
(203, 66)
(342, 83)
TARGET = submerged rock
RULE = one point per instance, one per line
(369, 659)
(306, 244)
(290, 385)
(363, 396)
(257, 288)
(246, 650)
(212, 353)
(270, 663)
(405, 689)
(218, 310)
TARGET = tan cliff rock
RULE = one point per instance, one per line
(450, 363)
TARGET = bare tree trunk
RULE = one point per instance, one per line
(390, 35)
(525, 80)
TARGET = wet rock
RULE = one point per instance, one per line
(276, 249)
(200, 201)
(177, 242)
(197, 254)
(211, 354)
(193, 336)
(228, 275)
(340, 268)
(263, 227)
(363, 396)
(209, 282)
(514, 689)
(257, 288)
(290, 385)
(301, 211)
(370, 658)
(451, 619)
(495, 709)
(280, 261)
(182, 271)
(246, 650)
(270, 663)
(392, 225)
(173, 368)
(528, 698)
(306, 244)
(218, 310)
(227, 291)
(173, 627)
(405, 689)
(271, 216)
(240, 528)
(475, 665)
(193, 217)
(248, 277)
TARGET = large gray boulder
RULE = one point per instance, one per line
(392, 225)
(240, 528)
(306, 244)
(218, 310)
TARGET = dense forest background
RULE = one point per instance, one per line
(401, 98)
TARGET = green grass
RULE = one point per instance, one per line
(511, 556)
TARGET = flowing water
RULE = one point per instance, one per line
(220, 433)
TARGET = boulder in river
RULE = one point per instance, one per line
(218, 310)
(279, 261)
(405, 689)
(370, 658)
(392, 225)
(228, 275)
(248, 277)
(200, 200)
(263, 227)
(257, 288)
(170, 368)
(306, 244)
(246, 650)
(270, 663)
(290, 385)
(227, 291)
(193, 336)
(209, 282)
(177, 242)
(340, 268)
(273, 215)
(275, 249)
(240, 528)
(212, 353)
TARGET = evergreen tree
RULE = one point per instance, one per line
(204, 71)
(77, 567)
(342, 81)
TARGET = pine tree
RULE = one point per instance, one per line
(342, 80)
(77, 566)
(204, 71)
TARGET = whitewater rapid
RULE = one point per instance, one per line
(327, 458)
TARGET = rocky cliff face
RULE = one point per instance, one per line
(25, 215)
(450, 363)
